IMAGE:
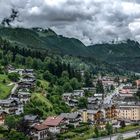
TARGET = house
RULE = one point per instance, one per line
(123, 79)
(55, 124)
(10, 69)
(78, 93)
(72, 103)
(25, 84)
(89, 89)
(72, 118)
(39, 132)
(93, 103)
(99, 96)
(67, 96)
(11, 106)
(24, 97)
(28, 72)
(31, 119)
(2, 117)
(28, 78)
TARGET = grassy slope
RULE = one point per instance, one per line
(37, 97)
(4, 87)
(41, 103)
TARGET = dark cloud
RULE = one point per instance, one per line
(92, 21)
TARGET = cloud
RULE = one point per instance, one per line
(91, 21)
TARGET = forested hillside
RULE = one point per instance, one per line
(55, 74)
(123, 54)
(44, 39)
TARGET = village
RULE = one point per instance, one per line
(117, 105)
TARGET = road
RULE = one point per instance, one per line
(14, 90)
(108, 99)
(114, 137)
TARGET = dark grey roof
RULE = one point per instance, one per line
(3, 112)
(30, 117)
(24, 93)
(7, 101)
(69, 115)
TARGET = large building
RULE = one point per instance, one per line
(108, 112)
(129, 112)
(95, 116)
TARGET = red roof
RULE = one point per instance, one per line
(125, 91)
(53, 121)
(40, 126)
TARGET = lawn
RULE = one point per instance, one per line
(128, 128)
(85, 135)
(134, 138)
(5, 88)
(79, 133)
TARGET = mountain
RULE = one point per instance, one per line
(45, 39)
(123, 54)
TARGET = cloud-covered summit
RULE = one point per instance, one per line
(92, 21)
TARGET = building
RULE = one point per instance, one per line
(31, 119)
(129, 111)
(24, 97)
(67, 96)
(93, 103)
(90, 89)
(28, 72)
(26, 84)
(11, 106)
(78, 93)
(128, 91)
(94, 116)
(2, 117)
(110, 112)
(39, 132)
(72, 118)
(138, 83)
(55, 124)
(72, 103)
(28, 78)
(99, 96)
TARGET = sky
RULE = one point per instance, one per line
(91, 21)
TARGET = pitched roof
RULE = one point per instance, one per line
(40, 127)
(69, 115)
(8, 101)
(23, 93)
(30, 117)
(53, 121)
